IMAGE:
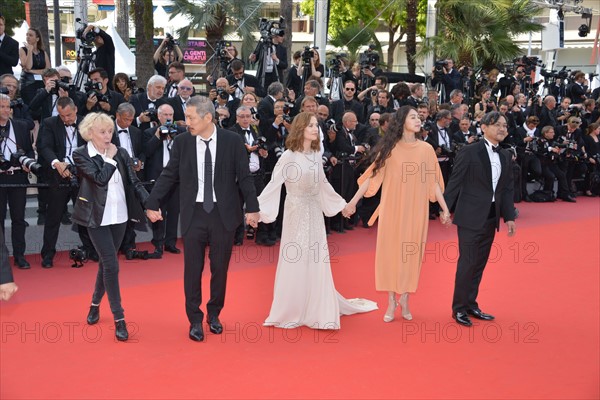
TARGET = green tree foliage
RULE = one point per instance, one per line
(14, 14)
(481, 32)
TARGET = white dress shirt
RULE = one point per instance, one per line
(125, 140)
(496, 167)
(200, 150)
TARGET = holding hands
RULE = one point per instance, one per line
(154, 216)
(349, 210)
(445, 218)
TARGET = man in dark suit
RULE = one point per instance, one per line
(266, 106)
(480, 191)
(56, 142)
(210, 208)
(222, 98)
(152, 98)
(129, 137)
(43, 104)
(184, 92)
(245, 82)
(20, 109)
(9, 50)
(348, 103)
(103, 99)
(14, 136)
(157, 149)
(441, 140)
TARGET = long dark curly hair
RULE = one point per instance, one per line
(393, 134)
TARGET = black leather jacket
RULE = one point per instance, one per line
(94, 175)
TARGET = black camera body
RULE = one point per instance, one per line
(221, 49)
(88, 38)
(307, 55)
(20, 159)
(427, 126)
(255, 114)
(368, 58)
(78, 256)
(331, 124)
(18, 103)
(152, 114)
(59, 83)
(222, 94)
(440, 65)
(171, 42)
(270, 28)
(261, 142)
(94, 89)
(168, 129)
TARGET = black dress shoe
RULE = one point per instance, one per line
(348, 226)
(462, 318)
(215, 325)
(196, 332)
(172, 249)
(93, 315)
(47, 262)
(238, 242)
(121, 330)
(93, 256)
(568, 199)
(21, 262)
(480, 315)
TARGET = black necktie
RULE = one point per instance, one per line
(208, 187)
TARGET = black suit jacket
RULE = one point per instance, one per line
(152, 148)
(94, 175)
(136, 141)
(22, 137)
(339, 107)
(41, 105)
(469, 190)
(9, 54)
(114, 99)
(231, 175)
(251, 81)
(6, 275)
(51, 145)
(434, 140)
(176, 103)
(140, 103)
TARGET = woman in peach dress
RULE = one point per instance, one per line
(408, 172)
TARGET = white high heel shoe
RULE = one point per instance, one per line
(404, 304)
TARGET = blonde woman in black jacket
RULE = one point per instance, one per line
(110, 194)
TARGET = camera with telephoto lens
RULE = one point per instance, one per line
(168, 129)
(4, 90)
(88, 38)
(287, 107)
(261, 142)
(152, 114)
(222, 94)
(255, 114)
(133, 83)
(18, 103)
(94, 89)
(20, 159)
(440, 65)
(427, 126)
(271, 28)
(331, 124)
(59, 83)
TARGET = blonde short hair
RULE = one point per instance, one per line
(94, 121)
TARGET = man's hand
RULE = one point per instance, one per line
(7, 290)
(144, 117)
(512, 228)
(249, 89)
(445, 218)
(251, 149)
(291, 95)
(252, 219)
(252, 57)
(61, 167)
(212, 95)
(62, 93)
(471, 139)
(49, 85)
(360, 149)
(91, 102)
(105, 106)
(333, 161)
(263, 153)
(154, 216)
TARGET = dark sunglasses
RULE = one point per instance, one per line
(350, 89)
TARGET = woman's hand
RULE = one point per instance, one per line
(111, 150)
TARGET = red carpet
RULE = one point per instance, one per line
(542, 285)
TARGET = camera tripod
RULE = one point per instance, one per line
(86, 64)
(264, 47)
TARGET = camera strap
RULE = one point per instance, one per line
(8, 141)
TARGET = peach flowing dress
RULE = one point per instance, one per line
(408, 181)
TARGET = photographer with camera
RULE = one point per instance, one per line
(99, 97)
(589, 113)
(157, 145)
(369, 95)
(441, 140)
(310, 65)
(548, 113)
(573, 154)
(274, 62)
(176, 73)
(257, 147)
(548, 152)
(383, 105)
(312, 88)
(179, 102)
(222, 98)
(592, 147)
(369, 71)
(44, 103)
(294, 78)
(56, 142)
(9, 56)
(9, 85)
(243, 82)
(16, 160)
(347, 149)
(486, 104)
(34, 60)
(417, 92)
(146, 103)
(526, 139)
(445, 74)
(105, 50)
(167, 52)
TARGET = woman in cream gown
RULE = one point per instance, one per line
(304, 292)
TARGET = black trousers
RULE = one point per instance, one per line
(206, 229)
(58, 198)
(474, 247)
(263, 229)
(165, 232)
(107, 240)
(550, 171)
(16, 199)
(343, 181)
(530, 163)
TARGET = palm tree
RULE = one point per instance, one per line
(481, 32)
(144, 44)
(217, 18)
(38, 14)
(122, 11)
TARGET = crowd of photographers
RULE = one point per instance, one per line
(552, 138)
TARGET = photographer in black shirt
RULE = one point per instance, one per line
(105, 51)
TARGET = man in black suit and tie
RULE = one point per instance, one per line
(129, 137)
(178, 102)
(14, 136)
(56, 142)
(157, 149)
(9, 50)
(152, 98)
(102, 99)
(244, 83)
(441, 140)
(266, 106)
(347, 103)
(210, 208)
(480, 191)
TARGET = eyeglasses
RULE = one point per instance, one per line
(350, 89)
(184, 88)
